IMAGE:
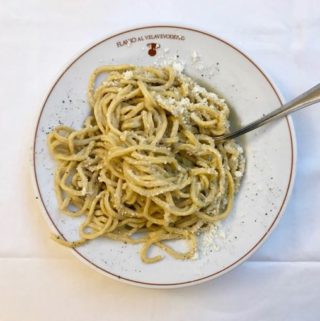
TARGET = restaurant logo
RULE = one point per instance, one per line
(153, 46)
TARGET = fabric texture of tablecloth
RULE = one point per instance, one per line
(42, 281)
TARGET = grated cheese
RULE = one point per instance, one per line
(128, 74)
(195, 57)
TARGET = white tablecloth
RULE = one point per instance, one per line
(42, 281)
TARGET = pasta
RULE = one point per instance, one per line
(145, 168)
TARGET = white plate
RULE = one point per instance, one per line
(270, 151)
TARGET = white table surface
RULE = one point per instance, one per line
(40, 280)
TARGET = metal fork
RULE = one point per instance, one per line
(310, 97)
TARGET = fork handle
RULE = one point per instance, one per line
(310, 97)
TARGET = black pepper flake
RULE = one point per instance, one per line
(63, 101)
(178, 56)
(37, 197)
(265, 213)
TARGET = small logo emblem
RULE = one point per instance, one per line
(153, 48)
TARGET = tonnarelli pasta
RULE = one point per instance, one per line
(145, 168)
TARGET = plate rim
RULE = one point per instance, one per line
(244, 257)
